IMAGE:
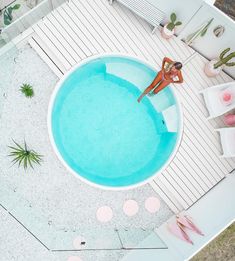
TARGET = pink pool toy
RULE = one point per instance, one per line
(229, 119)
(226, 97)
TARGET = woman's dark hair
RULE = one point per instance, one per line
(178, 65)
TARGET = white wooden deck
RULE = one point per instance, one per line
(79, 29)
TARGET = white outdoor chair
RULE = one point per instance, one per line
(213, 101)
(227, 137)
(144, 9)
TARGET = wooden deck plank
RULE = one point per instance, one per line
(187, 176)
(75, 34)
(167, 196)
(70, 43)
(82, 26)
(60, 41)
(103, 33)
(69, 32)
(163, 179)
(180, 185)
(44, 56)
(52, 46)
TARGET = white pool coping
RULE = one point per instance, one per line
(49, 115)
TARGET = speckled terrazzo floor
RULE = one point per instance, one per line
(54, 205)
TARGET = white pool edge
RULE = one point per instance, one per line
(49, 126)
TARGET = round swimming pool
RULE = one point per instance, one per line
(99, 130)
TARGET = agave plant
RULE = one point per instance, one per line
(27, 90)
(23, 155)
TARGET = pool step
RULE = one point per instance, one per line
(171, 118)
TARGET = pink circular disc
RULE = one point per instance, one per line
(152, 204)
(77, 242)
(74, 258)
(130, 207)
(104, 214)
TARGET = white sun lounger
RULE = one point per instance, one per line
(144, 9)
(227, 137)
(213, 102)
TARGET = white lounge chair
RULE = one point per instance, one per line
(144, 9)
(227, 137)
(212, 97)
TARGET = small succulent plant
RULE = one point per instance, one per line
(23, 155)
(27, 90)
(172, 24)
(224, 60)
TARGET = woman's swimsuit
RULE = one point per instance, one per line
(172, 76)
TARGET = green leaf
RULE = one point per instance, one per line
(203, 32)
(170, 26)
(6, 18)
(15, 7)
(223, 53)
(9, 10)
(20, 147)
(230, 64)
(173, 17)
(178, 23)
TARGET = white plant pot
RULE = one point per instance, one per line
(166, 33)
(209, 69)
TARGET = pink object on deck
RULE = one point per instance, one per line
(227, 97)
(130, 207)
(104, 214)
(188, 223)
(177, 230)
(229, 119)
(152, 204)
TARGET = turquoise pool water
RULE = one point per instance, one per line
(100, 130)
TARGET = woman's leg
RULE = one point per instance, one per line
(161, 86)
(156, 80)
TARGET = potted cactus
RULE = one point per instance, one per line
(214, 67)
(169, 29)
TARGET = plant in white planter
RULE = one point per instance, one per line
(169, 29)
(199, 33)
(7, 14)
(215, 66)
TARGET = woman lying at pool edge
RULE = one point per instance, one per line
(169, 72)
